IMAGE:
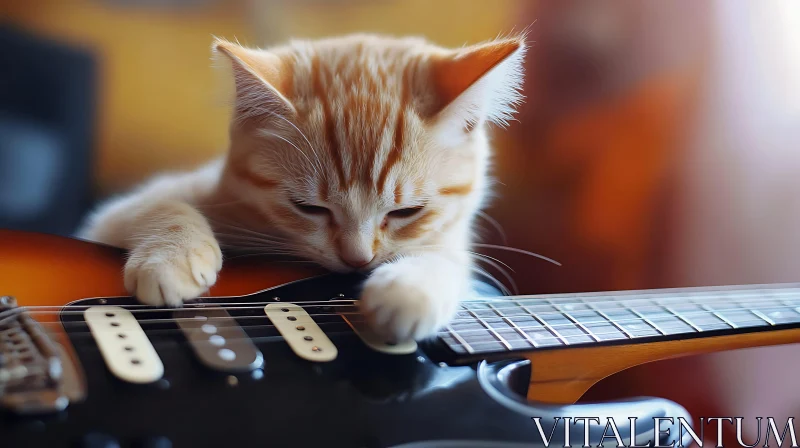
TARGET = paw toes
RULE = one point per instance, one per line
(159, 274)
(130, 280)
(171, 297)
(203, 275)
(148, 289)
(218, 255)
(196, 269)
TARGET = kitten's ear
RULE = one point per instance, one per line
(477, 84)
(261, 78)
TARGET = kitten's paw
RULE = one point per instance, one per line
(406, 300)
(167, 273)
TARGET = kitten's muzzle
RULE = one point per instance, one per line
(356, 261)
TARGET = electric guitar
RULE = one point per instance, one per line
(280, 356)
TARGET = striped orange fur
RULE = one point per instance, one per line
(356, 152)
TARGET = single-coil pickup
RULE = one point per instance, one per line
(303, 335)
(218, 340)
(125, 347)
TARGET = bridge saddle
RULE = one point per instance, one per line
(36, 374)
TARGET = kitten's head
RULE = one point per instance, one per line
(362, 148)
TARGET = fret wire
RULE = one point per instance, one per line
(718, 315)
(514, 326)
(755, 312)
(706, 310)
(794, 306)
(497, 335)
(611, 321)
(570, 317)
(602, 333)
(647, 320)
(549, 328)
(553, 313)
(679, 316)
(661, 296)
(607, 320)
(713, 293)
(616, 302)
(762, 316)
(461, 340)
(785, 301)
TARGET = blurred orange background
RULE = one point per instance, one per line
(659, 145)
(163, 106)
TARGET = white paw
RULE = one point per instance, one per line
(170, 270)
(405, 299)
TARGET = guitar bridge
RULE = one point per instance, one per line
(36, 375)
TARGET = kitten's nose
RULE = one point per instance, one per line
(356, 249)
(356, 260)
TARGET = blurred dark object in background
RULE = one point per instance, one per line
(47, 122)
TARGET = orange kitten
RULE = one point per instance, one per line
(359, 152)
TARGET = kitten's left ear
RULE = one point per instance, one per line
(477, 84)
(261, 79)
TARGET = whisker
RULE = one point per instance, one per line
(514, 249)
(494, 262)
(316, 155)
(484, 256)
(250, 231)
(273, 134)
(262, 247)
(504, 273)
(224, 237)
(493, 280)
(263, 254)
(493, 222)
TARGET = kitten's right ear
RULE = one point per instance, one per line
(477, 84)
(260, 78)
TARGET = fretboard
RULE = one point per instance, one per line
(485, 326)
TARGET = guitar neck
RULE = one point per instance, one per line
(537, 322)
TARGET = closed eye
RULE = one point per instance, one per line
(404, 212)
(310, 209)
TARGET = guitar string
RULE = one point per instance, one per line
(560, 314)
(618, 297)
(494, 342)
(538, 326)
(473, 319)
(622, 305)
